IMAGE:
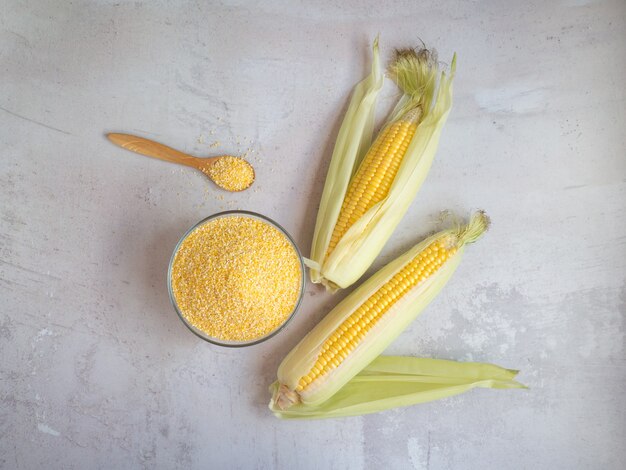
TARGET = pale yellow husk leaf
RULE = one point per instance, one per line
(391, 381)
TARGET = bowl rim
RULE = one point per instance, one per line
(236, 344)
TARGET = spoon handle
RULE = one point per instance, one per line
(154, 149)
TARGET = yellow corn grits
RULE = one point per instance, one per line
(236, 278)
(231, 173)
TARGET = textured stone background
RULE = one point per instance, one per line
(97, 371)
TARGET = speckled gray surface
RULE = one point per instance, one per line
(98, 372)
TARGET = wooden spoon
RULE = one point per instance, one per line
(163, 152)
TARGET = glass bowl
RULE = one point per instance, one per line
(221, 342)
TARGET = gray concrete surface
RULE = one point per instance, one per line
(97, 371)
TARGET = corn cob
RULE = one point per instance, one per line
(356, 331)
(367, 192)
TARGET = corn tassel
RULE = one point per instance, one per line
(368, 191)
(359, 328)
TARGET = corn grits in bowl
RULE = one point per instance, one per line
(236, 278)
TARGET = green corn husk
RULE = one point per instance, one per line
(416, 73)
(393, 381)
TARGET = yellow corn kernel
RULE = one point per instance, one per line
(376, 173)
